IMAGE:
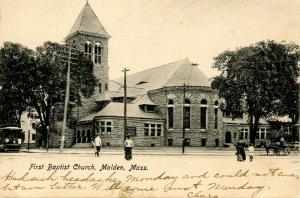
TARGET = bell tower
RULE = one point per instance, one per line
(88, 35)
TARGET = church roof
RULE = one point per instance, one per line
(114, 109)
(172, 74)
(88, 22)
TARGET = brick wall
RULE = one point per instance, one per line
(117, 135)
(100, 71)
(195, 94)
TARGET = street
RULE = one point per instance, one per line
(147, 175)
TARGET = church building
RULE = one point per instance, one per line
(165, 105)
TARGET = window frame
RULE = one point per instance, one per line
(88, 49)
(97, 53)
(205, 107)
(170, 108)
(150, 127)
(103, 124)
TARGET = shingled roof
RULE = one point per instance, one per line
(88, 22)
(114, 109)
(172, 74)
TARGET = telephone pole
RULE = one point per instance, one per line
(183, 123)
(125, 101)
(66, 104)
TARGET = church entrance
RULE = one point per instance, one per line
(228, 137)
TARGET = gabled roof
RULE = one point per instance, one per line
(114, 109)
(88, 22)
(172, 74)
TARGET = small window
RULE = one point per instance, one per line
(88, 49)
(262, 135)
(100, 87)
(256, 135)
(146, 129)
(170, 142)
(170, 102)
(141, 82)
(152, 129)
(187, 142)
(33, 137)
(106, 87)
(150, 108)
(97, 53)
(158, 130)
(246, 135)
(217, 142)
(170, 113)
(203, 141)
(187, 101)
(203, 102)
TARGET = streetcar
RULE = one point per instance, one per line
(11, 138)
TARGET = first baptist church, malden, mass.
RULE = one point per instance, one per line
(157, 111)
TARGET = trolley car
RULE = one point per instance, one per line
(11, 138)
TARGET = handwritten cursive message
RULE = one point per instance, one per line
(137, 179)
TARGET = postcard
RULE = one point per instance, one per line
(149, 98)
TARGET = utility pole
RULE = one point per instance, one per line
(183, 123)
(47, 145)
(66, 104)
(125, 101)
(28, 136)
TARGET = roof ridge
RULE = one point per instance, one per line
(182, 64)
(157, 66)
(84, 10)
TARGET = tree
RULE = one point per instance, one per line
(260, 80)
(16, 64)
(48, 87)
(39, 79)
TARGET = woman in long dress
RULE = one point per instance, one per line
(128, 148)
(240, 151)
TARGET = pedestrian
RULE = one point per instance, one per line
(97, 143)
(240, 151)
(128, 144)
(251, 152)
(281, 141)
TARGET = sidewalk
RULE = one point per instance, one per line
(207, 151)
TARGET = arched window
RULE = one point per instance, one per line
(97, 53)
(216, 114)
(88, 49)
(170, 113)
(186, 113)
(203, 114)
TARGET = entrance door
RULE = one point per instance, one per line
(228, 137)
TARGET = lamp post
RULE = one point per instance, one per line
(125, 101)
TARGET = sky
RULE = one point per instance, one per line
(149, 33)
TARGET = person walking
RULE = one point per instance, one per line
(251, 152)
(128, 148)
(97, 143)
(240, 151)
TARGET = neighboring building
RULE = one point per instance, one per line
(29, 122)
(239, 128)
